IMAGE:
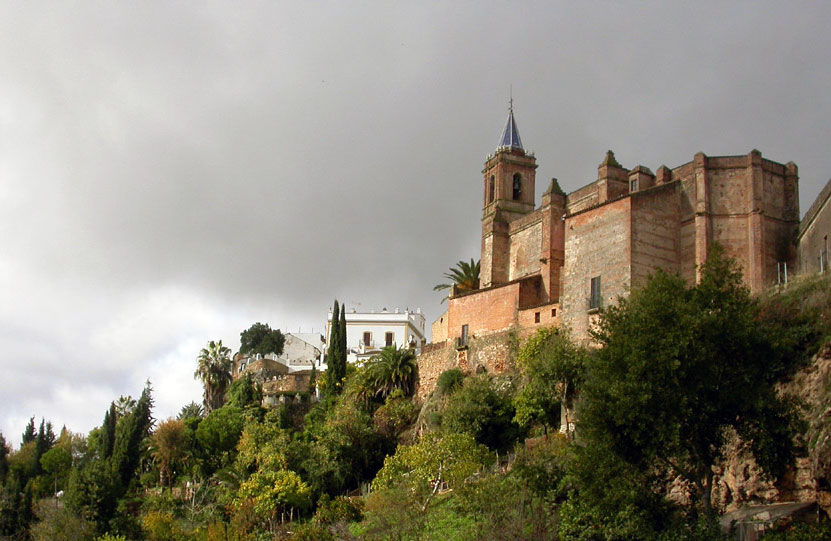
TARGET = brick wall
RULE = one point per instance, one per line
(655, 232)
(486, 311)
(597, 243)
(525, 246)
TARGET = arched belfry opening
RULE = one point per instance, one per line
(491, 188)
(517, 191)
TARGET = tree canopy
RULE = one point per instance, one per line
(678, 366)
(261, 338)
(552, 368)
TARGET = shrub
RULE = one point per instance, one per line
(449, 381)
(340, 509)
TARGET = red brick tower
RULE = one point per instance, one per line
(508, 194)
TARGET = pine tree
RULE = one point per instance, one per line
(29, 433)
(44, 441)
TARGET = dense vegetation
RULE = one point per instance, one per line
(483, 457)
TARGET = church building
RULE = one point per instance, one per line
(561, 262)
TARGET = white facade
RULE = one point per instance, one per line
(368, 332)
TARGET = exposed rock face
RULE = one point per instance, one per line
(739, 480)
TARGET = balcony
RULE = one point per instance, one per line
(594, 303)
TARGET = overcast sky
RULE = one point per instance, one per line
(172, 172)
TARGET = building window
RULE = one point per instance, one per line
(490, 189)
(536, 317)
(464, 334)
(635, 185)
(594, 299)
(367, 338)
(388, 339)
(553, 312)
(517, 186)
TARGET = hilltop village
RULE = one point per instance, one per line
(647, 357)
(559, 263)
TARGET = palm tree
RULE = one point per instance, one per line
(465, 276)
(124, 405)
(191, 410)
(214, 370)
(393, 368)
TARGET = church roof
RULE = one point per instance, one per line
(510, 135)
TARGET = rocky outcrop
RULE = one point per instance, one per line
(739, 481)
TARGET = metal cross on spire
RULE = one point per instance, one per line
(510, 135)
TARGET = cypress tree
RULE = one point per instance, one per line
(107, 434)
(332, 381)
(342, 345)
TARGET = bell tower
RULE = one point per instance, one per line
(508, 195)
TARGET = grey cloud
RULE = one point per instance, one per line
(266, 158)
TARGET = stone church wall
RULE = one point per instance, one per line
(597, 244)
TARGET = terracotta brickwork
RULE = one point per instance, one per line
(563, 262)
(597, 245)
(487, 311)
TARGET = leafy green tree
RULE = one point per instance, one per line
(261, 338)
(678, 367)
(214, 371)
(552, 368)
(436, 459)
(245, 392)
(56, 462)
(218, 434)
(336, 352)
(393, 369)
(465, 276)
(263, 444)
(274, 493)
(483, 408)
(190, 411)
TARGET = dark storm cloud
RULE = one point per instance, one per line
(171, 173)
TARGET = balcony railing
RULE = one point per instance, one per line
(462, 342)
(594, 302)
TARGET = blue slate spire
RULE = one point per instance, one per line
(510, 136)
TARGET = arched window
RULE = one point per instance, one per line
(517, 186)
(490, 189)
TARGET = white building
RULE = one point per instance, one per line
(368, 332)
